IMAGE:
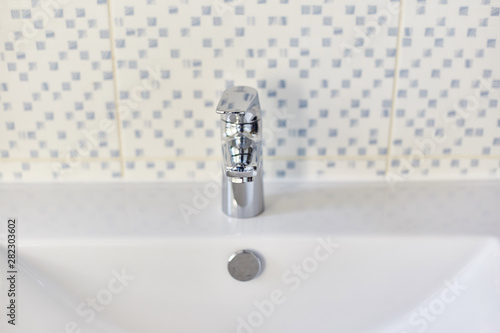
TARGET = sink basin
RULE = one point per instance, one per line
(338, 258)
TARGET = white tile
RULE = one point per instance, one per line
(323, 70)
(56, 81)
(33, 170)
(331, 169)
(406, 169)
(327, 102)
(172, 170)
(449, 79)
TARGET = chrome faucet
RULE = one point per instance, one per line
(242, 189)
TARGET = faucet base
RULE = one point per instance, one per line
(244, 199)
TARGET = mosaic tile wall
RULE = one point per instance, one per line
(126, 89)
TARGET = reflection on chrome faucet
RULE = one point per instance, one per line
(243, 193)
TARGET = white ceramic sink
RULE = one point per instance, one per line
(338, 258)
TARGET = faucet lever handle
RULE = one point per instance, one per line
(238, 100)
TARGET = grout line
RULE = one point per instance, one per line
(323, 158)
(395, 86)
(311, 158)
(55, 159)
(447, 157)
(115, 87)
(266, 158)
(173, 158)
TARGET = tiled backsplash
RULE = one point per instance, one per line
(100, 90)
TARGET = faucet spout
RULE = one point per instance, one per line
(243, 195)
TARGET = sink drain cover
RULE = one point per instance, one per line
(244, 265)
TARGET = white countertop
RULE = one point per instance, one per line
(119, 211)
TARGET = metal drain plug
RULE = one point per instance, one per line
(244, 265)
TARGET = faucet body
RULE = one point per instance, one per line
(242, 187)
